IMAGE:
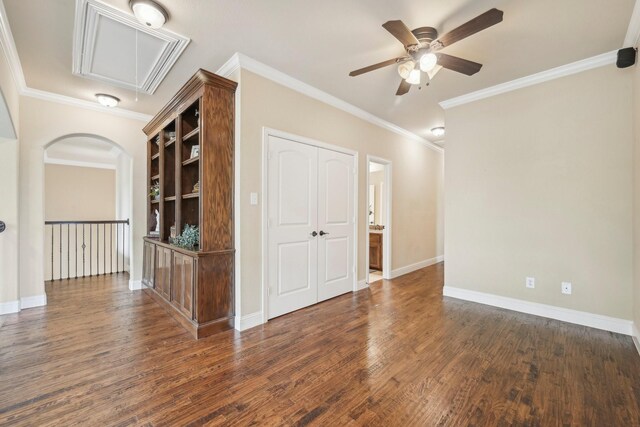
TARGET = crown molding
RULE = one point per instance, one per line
(9, 48)
(239, 60)
(633, 30)
(534, 79)
(11, 53)
(87, 105)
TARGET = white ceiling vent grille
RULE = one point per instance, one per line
(104, 48)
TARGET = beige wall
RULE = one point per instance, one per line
(41, 122)
(417, 176)
(9, 157)
(79, 193)
(538, 183)
(9, 214)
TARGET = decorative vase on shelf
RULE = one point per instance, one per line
(196, 187)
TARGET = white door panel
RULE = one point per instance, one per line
(336, 216)
(292, 209)
(310, 189)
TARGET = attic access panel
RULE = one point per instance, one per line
(104, 48)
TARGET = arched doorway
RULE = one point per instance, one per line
(87, 207)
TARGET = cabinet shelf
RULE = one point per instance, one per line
(155, 156)
(191, 134)
(170, 199)
(191, 196)
(191, 161)
(169, 142)
(155, 177)
(155, 201)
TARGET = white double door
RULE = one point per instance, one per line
(311, 216)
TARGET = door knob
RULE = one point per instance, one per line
(314, 234)
(322, 233)
(2, 226)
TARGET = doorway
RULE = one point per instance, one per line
(87, 201)
(378, 255)
(310, 214)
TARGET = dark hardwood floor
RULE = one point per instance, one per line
(397, 354)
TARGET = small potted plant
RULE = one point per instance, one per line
(154, 191)
(189, 239)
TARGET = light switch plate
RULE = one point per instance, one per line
(253, 198)
(530, 282)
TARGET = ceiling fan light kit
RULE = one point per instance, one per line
(149, 13)
(414, 77)
(405, 69)
(423, 46)
(428, 61)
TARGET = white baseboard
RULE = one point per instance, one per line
(23, 303)
(34, 301)
(597, 321)
(249, 321)
(135, 285)
(417, 266)
(362, 284)
(636, 337)
(9, 307)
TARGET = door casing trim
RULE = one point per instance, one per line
(386, 233)
(266, 133)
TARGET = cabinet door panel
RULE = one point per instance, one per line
(183, 282)
(163, 272)
(148, 269)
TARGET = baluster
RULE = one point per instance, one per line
(90, 250)
(84, 247)
(68, 257)
(52, 252)
(75, 258)
(104, 248)
(117, 248)
(60, 247)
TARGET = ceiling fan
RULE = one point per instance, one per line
(423, 48)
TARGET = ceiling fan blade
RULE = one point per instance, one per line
(477, 24)
(460, 65)
(403, 88)
(401, 32)
(376, 66)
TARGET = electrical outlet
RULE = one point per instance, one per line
(566, 288)
(530, 282)
(253, 199)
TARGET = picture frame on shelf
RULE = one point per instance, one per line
(195, 151)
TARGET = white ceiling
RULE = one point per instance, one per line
(320, 42)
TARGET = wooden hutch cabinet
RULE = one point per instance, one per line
(189, 142)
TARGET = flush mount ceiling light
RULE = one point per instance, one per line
(438, 131)
(149, 13)
(107, 100)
